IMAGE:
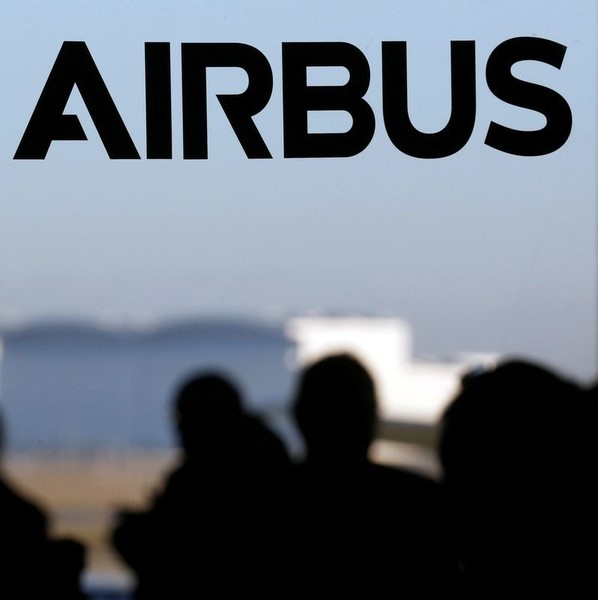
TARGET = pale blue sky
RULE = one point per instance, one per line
(480, 251)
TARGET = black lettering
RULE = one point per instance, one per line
(299, 99)
(238, 108)
(74, 66)
(535, 97)
(158, 100)
(398, 125)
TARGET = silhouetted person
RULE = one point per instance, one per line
(204, 532)
(33, 565)
(361, 529)
(518, 452)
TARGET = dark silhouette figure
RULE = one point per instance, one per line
(363, 530)
(518, 451)
(203, 534)
(34, 566)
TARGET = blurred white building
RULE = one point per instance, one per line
(408, 389)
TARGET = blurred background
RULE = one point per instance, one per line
(117, 278)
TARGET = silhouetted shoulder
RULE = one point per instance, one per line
(35, 566)
(20, 517)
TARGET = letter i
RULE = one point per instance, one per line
(158, 100)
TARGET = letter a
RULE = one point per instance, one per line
(74, 66)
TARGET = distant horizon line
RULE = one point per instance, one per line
(147, 321)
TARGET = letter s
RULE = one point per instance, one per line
(535, 97)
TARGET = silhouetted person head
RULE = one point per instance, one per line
(335, 409)
(509, 424)
(207, 411)
(517, 446)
